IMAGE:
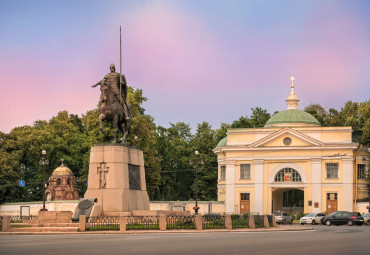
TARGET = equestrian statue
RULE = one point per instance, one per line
(114, 106)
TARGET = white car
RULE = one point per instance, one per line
(312, 218)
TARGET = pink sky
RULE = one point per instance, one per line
(195, 60)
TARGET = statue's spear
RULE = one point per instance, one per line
(120, 62)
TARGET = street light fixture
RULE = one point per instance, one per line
(195, 161)
(43, 162)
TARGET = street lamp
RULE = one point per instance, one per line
(43, 162)
(195, 161)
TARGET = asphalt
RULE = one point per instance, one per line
(278, 228)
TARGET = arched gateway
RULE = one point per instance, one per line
(287, 182)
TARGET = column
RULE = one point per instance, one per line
(347, 184)
(258, 186)
(230, 187)
(316, 185)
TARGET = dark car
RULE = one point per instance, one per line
(342, 217)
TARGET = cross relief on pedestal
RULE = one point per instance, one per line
(102, 170)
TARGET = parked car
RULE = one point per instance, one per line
(366, 217)
(342, 217)
(283, 217)
(312, 218)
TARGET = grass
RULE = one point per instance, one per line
(21, 226)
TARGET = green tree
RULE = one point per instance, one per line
(204, 142)
(259, 117)
(221, 132)
(173, 145)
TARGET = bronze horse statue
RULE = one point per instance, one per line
(112, 110)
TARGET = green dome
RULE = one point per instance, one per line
(292, 118)
(223, 142)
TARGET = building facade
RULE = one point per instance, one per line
(258, 166)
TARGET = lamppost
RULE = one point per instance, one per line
(195, 161)
(43, 162)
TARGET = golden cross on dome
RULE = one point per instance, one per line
(62, 159)
(292, 79)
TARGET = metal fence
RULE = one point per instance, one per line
(102, 223)
(240, 221)
(19, 219)
(180, 222)
(258, 221)
(142, 223)
(213, 222)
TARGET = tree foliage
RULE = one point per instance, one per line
(167, 151)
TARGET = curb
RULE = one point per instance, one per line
(133, 232)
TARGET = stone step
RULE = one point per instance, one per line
(45, 229)
(46, 224)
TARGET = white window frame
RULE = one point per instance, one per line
(245, 174)
(361, 175)
(332, 170)
(222, 173)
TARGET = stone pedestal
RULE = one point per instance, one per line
(117, 179)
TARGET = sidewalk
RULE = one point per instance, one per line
(117, 232)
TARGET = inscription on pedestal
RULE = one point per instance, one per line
(134, 177)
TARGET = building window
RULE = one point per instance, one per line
(288, 175)
(331, 170)
(223, 172)
(361, 171)
(245, 171)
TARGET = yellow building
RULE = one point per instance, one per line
(257, 166)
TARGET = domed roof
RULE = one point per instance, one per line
(292, 117)
(222, 142)
(62, 170)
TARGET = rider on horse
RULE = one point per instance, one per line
(113, 78)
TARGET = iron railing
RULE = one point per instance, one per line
(269, 217)
(102, 223)
(240, 221)
(19, 219)
(142, 223)
(258, 221)
(213, 222)
(180, 222)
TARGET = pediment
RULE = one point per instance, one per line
(287, 137)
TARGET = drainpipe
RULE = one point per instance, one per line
(356, 177)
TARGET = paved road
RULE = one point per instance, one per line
(321, 240)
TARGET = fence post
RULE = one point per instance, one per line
(6, 223)
(82, 223)
(251, 221)
(228, 222)
(198, 222)
(122, 223)
(273, 220)
(162, 222)
(266, 221)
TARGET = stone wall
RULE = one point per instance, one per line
(205, 206)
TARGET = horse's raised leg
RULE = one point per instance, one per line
(101, 118)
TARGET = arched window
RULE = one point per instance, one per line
(68, 181)
(59, 181)
(288, 175)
